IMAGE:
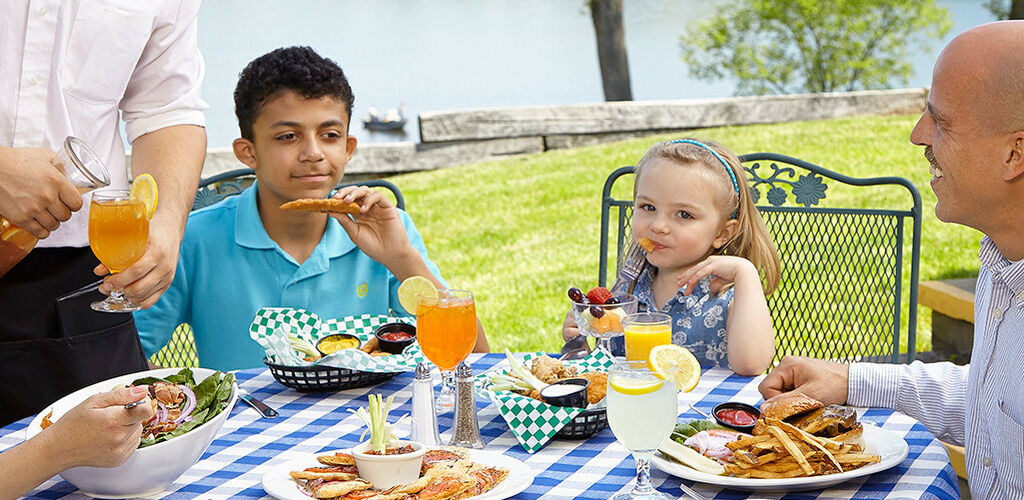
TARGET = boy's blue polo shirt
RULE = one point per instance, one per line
(229, 267)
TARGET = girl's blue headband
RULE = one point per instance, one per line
(732, 175)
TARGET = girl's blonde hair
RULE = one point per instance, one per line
(751, 239)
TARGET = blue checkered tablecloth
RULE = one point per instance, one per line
(248, 446)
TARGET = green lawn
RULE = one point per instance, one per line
(519, 231)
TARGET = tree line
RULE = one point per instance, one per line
(792, 46)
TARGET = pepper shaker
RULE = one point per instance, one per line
(424, 418)
(467, 430)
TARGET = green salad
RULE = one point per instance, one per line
(180, 404)
(687, 429)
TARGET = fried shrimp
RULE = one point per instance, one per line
(549, 369)
(598, 385)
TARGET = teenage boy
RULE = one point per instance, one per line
(244, 253)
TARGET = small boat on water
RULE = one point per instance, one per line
(392, 119)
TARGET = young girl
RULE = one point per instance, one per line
(709, 260)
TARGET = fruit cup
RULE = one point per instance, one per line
(603, 321)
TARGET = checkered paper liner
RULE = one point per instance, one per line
(534, 422)
(271, 326)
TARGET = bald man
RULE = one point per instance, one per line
(973, 138)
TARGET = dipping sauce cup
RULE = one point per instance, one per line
(334, 343)
(395, 337)
(568, 392)
(736, 415)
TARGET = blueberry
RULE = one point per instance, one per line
(575, 294)
(612, 301)
(596, 311)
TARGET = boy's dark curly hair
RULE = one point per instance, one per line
(299, 69)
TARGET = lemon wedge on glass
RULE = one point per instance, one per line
(666, 358)
(634, 386)
(415, 289)
(144, 190)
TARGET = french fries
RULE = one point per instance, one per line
(782, 450)
(807, 438)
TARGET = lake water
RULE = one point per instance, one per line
(457, 54)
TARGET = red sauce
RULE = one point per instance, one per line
(736, 417)
(401, 450)
(396, 336)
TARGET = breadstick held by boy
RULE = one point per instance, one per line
(699, 251)
(331, 205)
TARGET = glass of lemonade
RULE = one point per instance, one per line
(642, 411)
(118, 235)
(644, 331)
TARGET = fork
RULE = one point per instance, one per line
(692, 493)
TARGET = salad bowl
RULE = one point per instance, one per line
(151, 469)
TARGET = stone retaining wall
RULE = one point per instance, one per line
(458, 137)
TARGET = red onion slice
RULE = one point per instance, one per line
(190, 403)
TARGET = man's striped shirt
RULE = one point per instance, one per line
(980, 405)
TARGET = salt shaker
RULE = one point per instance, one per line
(424, 418)
(467, 430)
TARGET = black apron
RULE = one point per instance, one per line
(51, 342)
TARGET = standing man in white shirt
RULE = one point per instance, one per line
(68, 67)
(973, 134)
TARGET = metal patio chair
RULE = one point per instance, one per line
(180, 351)
(844, 269)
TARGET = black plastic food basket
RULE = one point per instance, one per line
(584, 425)
(323, 378)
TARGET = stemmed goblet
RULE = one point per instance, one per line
(118, 235)
(446, 328)
(642, 411)
(603, 321)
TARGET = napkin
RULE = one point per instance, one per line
(271, 326)
(534, 422)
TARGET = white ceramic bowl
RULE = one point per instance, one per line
(385, 471)
(149, 470)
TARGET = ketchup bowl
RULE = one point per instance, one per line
(736, 415)
(395, 337)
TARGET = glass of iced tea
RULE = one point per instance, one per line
(446, 327)
(118, 234)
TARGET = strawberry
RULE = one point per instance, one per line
(598, 295)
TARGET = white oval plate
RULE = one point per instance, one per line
(278, 484)
(892, 448)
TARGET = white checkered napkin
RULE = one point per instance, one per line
(271, 326)
(534, 422)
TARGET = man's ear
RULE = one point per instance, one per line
(1014, 165)
(245, 151)
(726, 234)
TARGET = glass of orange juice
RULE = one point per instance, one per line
(118, 235)
(644, 331)
(446, 327)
